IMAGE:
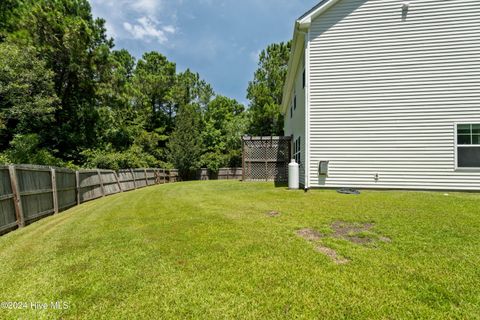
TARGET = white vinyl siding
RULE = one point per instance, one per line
(386, 93)
(295, 125)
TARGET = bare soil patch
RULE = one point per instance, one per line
(358, 233)
(310, 234)
(332, 254)
(313, 236)
(352, 231)
(385, 239)
(345, 228)
(273, 214)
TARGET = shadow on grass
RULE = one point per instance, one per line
(281, 184)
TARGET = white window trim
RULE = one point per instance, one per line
(455, 132)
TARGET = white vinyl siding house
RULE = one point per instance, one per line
(393, 93)
(295, 120)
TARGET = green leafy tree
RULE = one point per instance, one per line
(65, 93)
(191, 89)
(119, 118)
(185, 145)
(224, 125)
(265, 92)
(74, 46)
(27, 149)
(115, 87)
(27, 96)
(109, 158)
(154, 79)
(9, 15)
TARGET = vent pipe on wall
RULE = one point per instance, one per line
(405, 8)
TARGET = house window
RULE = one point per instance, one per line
(296, 150)
(468, 145)
(303, 79)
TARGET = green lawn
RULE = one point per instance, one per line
(209, 250)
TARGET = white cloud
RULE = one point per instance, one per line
(110, 30)
(148, 29)
(169, 29)
(146, 6)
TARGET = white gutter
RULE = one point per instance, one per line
(292, 70)
(306, 21)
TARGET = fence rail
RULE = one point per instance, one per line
(222, 174)
(29, 193)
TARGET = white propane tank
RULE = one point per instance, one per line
(293, 175)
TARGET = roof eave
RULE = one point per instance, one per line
(302, 25)
(316, 11)
(298, 38)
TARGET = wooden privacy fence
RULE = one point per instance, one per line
(266, 158)
(29, 193)
(222, 174)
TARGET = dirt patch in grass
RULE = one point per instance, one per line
(273, 214)
(332, 254)
(309, 234)
(358, 233)
(385, 239)
(353, 232)
(341, 228)
(313, 235)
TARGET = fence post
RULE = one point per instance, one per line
(77, 182)
(118, 181)
(243, 159)
(146, 178)
(134, 181)
(101, 182)
(164, 175)
(16, 196)
(54, 190)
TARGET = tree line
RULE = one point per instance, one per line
(69, 98)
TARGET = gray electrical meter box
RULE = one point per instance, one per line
(323, 168)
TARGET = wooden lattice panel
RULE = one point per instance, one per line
(266, 158)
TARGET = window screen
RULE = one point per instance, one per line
(468, 145)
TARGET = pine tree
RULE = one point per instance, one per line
(185, 145)
(265, 92)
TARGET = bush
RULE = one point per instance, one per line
(4, 159)
(26, 149)
(114, 160)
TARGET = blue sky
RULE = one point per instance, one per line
(220, 39)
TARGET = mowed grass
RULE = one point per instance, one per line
(208, 250)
